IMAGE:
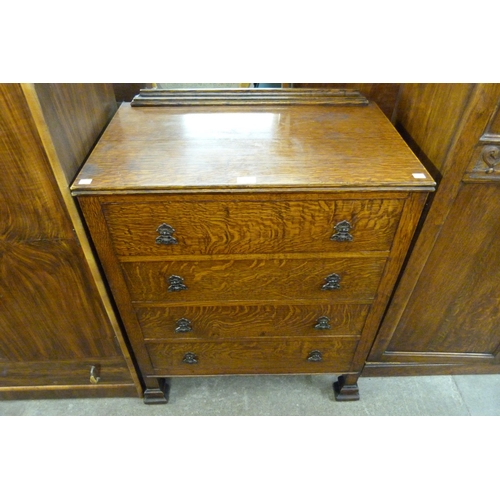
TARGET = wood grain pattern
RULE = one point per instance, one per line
(248, 96)
(76, 114)
(68, 391)
(384, 94)
(30, 208)
(127, 91)
(248, 357)
(493, 129)
(254, 279)
(233, 227)
(48, 308)
(223, 148)
(402, 240)
(428, 115)
(269, 320)
(466, 318)
(249, 251)
(425, 368)
(69, 372)
(471, 126)
(52, 320)
(91, 209)
(89, 131)
(445, 308)
(484, 165)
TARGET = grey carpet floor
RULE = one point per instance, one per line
(468, 395)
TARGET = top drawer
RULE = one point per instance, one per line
(251, 227)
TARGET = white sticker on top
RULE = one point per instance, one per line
(246, 180)
(85, 181)
(419, 176)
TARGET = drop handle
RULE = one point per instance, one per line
(315, 356)
(332, 282)
(342, 232)
(176, 284)
(183, 325)
(166, 231)
(95, 374)
(323, 323)
(190, 358)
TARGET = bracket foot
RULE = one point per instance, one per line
(345, 391)
(158, 395)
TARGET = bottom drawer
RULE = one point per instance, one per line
(331, 355)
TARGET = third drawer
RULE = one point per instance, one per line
(263, 321)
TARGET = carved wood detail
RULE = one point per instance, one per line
(487, 163)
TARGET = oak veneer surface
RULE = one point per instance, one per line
(444, 315)
(30, 208)
(466, 318)
(384, 94)
(250, 225)
(253, 356)
(76, 114)
(428, 115)
(250, 279)
(49, 309)
(264, 320)
(230, 147)
(112, 371)
(53, 323)
(494, 125)
(253, 196)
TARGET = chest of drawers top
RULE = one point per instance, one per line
(259, 147)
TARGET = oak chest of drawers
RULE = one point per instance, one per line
(251, 232)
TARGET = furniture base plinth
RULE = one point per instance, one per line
(345, 391)
(158, 395)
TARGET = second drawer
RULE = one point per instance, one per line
(345, 279)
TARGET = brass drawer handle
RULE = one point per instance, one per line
(491, 156)
(323, 323)
(332, 282)
(183, 326)
(190, 358)
(176, 284)
(342, 232)
(166, 233)
(315, 356)
(95, 374)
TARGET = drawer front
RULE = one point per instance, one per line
(251, 227)
(349, 279)
(221, 322)
(252, 357)
(64, 373)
